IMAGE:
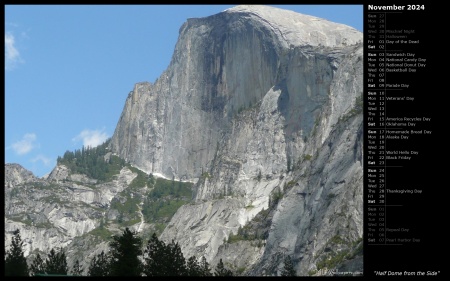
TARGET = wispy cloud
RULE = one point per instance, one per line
(11, 24)
(25, 145)
(91, 138)
(47, 161)
(12, 55)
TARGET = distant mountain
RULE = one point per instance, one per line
(248, 148)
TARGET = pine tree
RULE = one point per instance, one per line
(221, 270)
(155, 257)
(176, 261)
(288, 269)
(125, 252)
(15, 262)
(38, 266)
(77, 269)
(193, 267)
(205, 270)
(56, 263)
(100, 265)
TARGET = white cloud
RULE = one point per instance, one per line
(47, 161)
(92, 138)
(12, 55)
(25, 145)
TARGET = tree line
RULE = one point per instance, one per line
(91, 161)
(125, 258)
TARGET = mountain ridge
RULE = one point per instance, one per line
(262, 117)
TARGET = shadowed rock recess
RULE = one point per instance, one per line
(259, 118)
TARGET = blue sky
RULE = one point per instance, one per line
(69, 69)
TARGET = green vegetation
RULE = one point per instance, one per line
(161, 211)
(56, 263)
(166, 197)
(240, 270)
(100, 265)
(168, 210)
(336, 240)
(276, 196)
(162, 202)
(163, 259)
(91, 162)
(357, 248)
(359, 104)
(51, 199)
(129, 207)
(77, 269)
(221, 270)
(101, 232)
(176, 189)
(306, 157)
(290, 184)
(125, 251)
(333, 260)
(245, 234)
(348, 250)
(15, 262)
(288, 268)
(122, 259)
(256, 230)
(159, 228)
(357, 109)
(206, 175)
(114, 166)
(27, 220)
(46, 225)
(142, 179)
(130, 222)
(45, 185)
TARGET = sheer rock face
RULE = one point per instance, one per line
(256, 103)
(249, 95)
(324, 205)
(323, 192)
(222, 65)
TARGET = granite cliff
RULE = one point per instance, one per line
(260, 108)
